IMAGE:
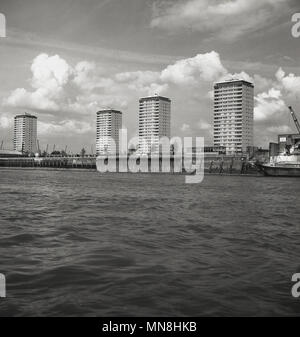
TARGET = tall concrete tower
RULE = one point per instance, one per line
(25, 133)
(154, 122)
(233, 115)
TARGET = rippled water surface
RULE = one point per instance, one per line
(81, 243)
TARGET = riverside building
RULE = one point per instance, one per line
(154, 122)
(233, 115)
(109, 122)
(25, 133)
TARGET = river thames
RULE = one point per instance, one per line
(80, 243)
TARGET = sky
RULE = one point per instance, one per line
(64, 60)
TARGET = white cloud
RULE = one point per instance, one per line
(6, 122)
(50, 72)
(50, 75)
(69, 92)
(205, 67)
(138, 77)
(57, 87)
(70, 126)
(272, 93)
(269, 105)
(228, 19)
(240, 76)
(290, 83)
(32, 100)
(191, 71)
(84, 77)
(272, 105)
(142, 81)
(88, 77)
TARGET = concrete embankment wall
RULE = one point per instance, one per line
(228, 165)
(78, 163)
(213, 164)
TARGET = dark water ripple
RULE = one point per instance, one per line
(78, 243)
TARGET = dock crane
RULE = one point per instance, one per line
(1, 147)
(295, 119)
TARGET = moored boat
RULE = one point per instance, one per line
(286, 163)
(281, 169)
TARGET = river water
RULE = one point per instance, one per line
(81, 243)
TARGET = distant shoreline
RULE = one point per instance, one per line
(139, 173)
(45, 169)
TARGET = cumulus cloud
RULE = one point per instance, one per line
(72, 92)
(50, 72)
(59, 87)
(50, 76)
(206, 67)
(191, 71)
(71, 126)
(38, 99)
(89, 77)
(290, 83)
(228, 19)
(143, 81)
(240, 76)
(268, 105)
(271, 104)
(84, 75)
(6, 121)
